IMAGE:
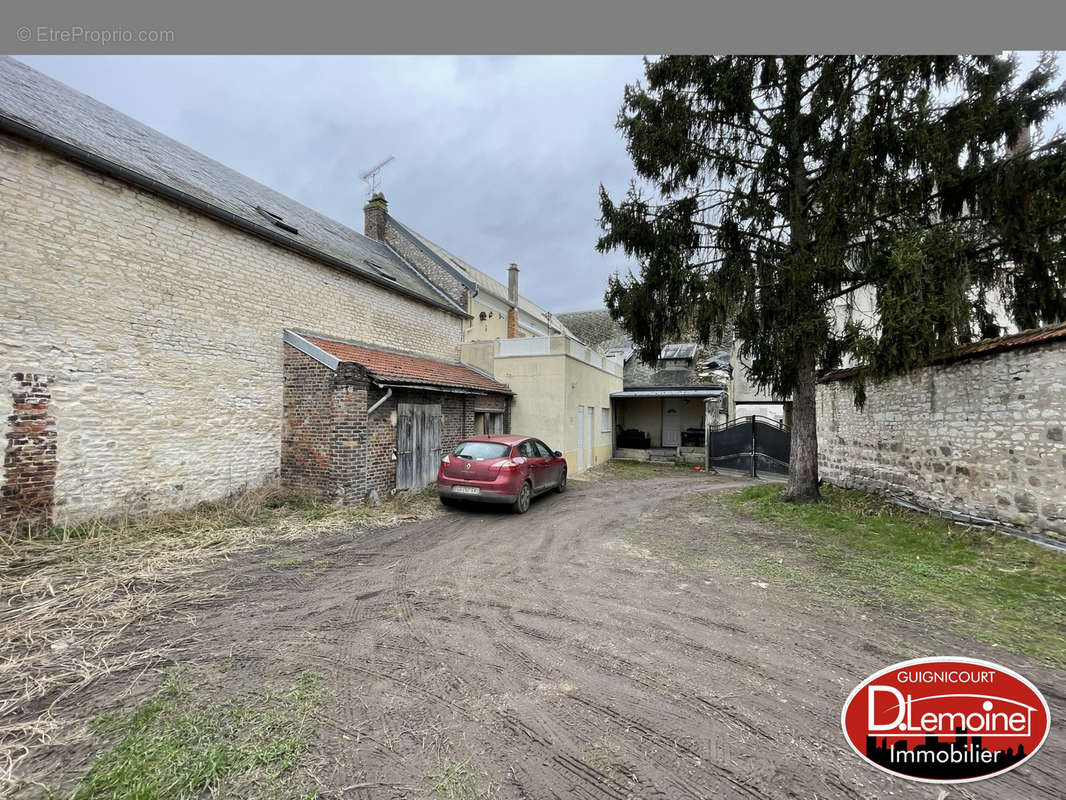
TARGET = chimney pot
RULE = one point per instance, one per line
(512, 299)
(375, 213)
(512, 284)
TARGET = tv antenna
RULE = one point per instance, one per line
(372, 177)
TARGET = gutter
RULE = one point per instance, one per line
(697, 393)
(432, 387)
(108, 167)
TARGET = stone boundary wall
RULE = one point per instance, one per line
(983, 436)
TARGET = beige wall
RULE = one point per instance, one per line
(494, 326)
(589, 387)
(983, 436)
(162, 332)
(548, 388)
(479, 354)
(537, 408)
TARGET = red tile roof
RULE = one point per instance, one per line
(390, 367)
(1029, 338)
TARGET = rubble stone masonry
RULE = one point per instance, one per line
(984, 436)
(161, 333)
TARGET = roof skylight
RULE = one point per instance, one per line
(380, 270)
(277, 220)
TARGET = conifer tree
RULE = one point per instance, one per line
(776, 195)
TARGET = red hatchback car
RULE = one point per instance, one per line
(500, 469)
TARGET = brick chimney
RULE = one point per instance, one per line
(512, 300)
(374, 213)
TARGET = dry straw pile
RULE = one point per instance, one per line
(83, 603)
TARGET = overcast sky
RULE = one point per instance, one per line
(498, 159)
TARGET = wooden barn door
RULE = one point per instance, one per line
(418, 435)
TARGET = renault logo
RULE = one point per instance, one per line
(468, 465)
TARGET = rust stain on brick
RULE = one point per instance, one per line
(28, 493)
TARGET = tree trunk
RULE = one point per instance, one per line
(803, 455)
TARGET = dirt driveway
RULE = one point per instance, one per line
(545, 656)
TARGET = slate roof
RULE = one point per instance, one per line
(471, 276)
(673, 377)
(1028, 338)
(387, 366)
(32, 105)
(596, 329)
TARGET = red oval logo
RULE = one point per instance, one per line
(946, 720)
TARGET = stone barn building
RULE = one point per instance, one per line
(146, 294)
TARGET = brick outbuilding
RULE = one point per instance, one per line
(359, 419)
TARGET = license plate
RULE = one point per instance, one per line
(467, 490)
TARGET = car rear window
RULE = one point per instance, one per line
(482, 450)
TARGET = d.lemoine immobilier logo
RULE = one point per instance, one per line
(946, 720)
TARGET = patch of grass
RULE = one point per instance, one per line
(181, 746)
(455, 781)
(1001, 590)
(72, 594)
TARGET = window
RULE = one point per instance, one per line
(487, 423)
(605, 420)
(479, 451)
(542, 449)
(527, 449)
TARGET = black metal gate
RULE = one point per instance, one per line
(751, 444)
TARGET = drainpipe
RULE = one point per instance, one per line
(388, 394)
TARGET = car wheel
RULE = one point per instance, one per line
(521, 503)
(560, 487)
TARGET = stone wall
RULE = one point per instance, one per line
(378, 225)
(983, 436)
(161, 333)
